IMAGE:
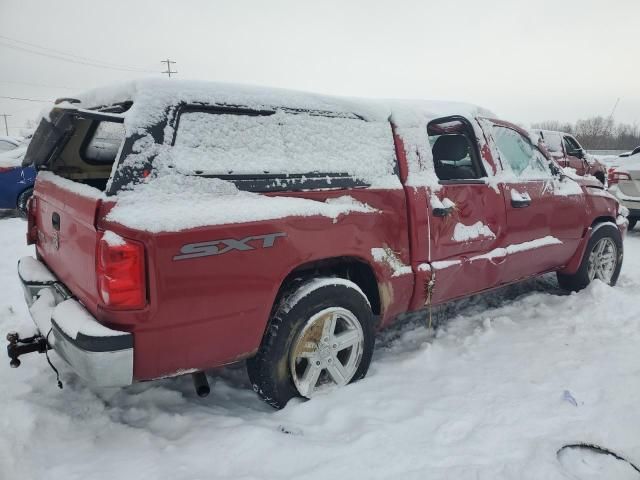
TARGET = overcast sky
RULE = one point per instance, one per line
(525, 60)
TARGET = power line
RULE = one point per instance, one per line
(60, 52)
(168, 71)
(70, 60)
(26, 99)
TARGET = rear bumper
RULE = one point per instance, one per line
(101, 356)
(631, 203)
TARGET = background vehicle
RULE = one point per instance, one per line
(16, 181)
(635, 151)
(283, 228)
(624, 184)
(566, 150)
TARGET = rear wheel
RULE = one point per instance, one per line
(320, 338)
(23, 200)
(602, 260)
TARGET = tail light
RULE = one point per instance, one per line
(616, 175)
(6, 169)
(121, 272)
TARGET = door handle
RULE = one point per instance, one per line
(523, 203)
(55, 221)
(442, 211)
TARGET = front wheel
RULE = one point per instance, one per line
(602, 260)
(320, 338)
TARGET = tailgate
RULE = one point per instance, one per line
(65, 214)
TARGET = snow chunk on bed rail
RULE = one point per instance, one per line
(71, 186)
(174, 203)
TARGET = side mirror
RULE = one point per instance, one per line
(556, 170)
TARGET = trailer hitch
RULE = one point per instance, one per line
(21, 346)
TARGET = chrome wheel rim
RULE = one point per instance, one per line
(602, 260)
(327, 352)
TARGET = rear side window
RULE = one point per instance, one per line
(282, 143)
(104, 143)
(517, 151)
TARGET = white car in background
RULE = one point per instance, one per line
(624, 184)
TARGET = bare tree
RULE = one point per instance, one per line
(598, 133)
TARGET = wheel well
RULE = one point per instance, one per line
(349, 268)
(603, 220)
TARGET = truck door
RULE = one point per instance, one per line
(466, 216)
(545, 214)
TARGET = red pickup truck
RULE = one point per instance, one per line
(567, 152)
(184, 226)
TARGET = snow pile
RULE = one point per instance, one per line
(482, 398)
(566, 187)
(13, 158)
(181, 202)
(113, 239)
(32, 270)
(516, 196)
(466, 233)
(70, 186)
(72, 318)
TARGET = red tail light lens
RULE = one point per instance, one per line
(121, 272)
(616, 175)
(6, 169)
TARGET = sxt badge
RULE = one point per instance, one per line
(218, 247)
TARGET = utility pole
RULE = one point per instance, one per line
(168, 71)
(6, 127)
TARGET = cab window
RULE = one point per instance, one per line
(453, 146)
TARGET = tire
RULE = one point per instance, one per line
(22, 202)
(295, 342)
(632, 223)
(582, 277)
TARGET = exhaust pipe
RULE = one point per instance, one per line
(201, 384)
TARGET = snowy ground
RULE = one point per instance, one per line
(484, 398)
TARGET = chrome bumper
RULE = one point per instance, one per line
(101, 356)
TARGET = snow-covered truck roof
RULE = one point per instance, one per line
(151, 97)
